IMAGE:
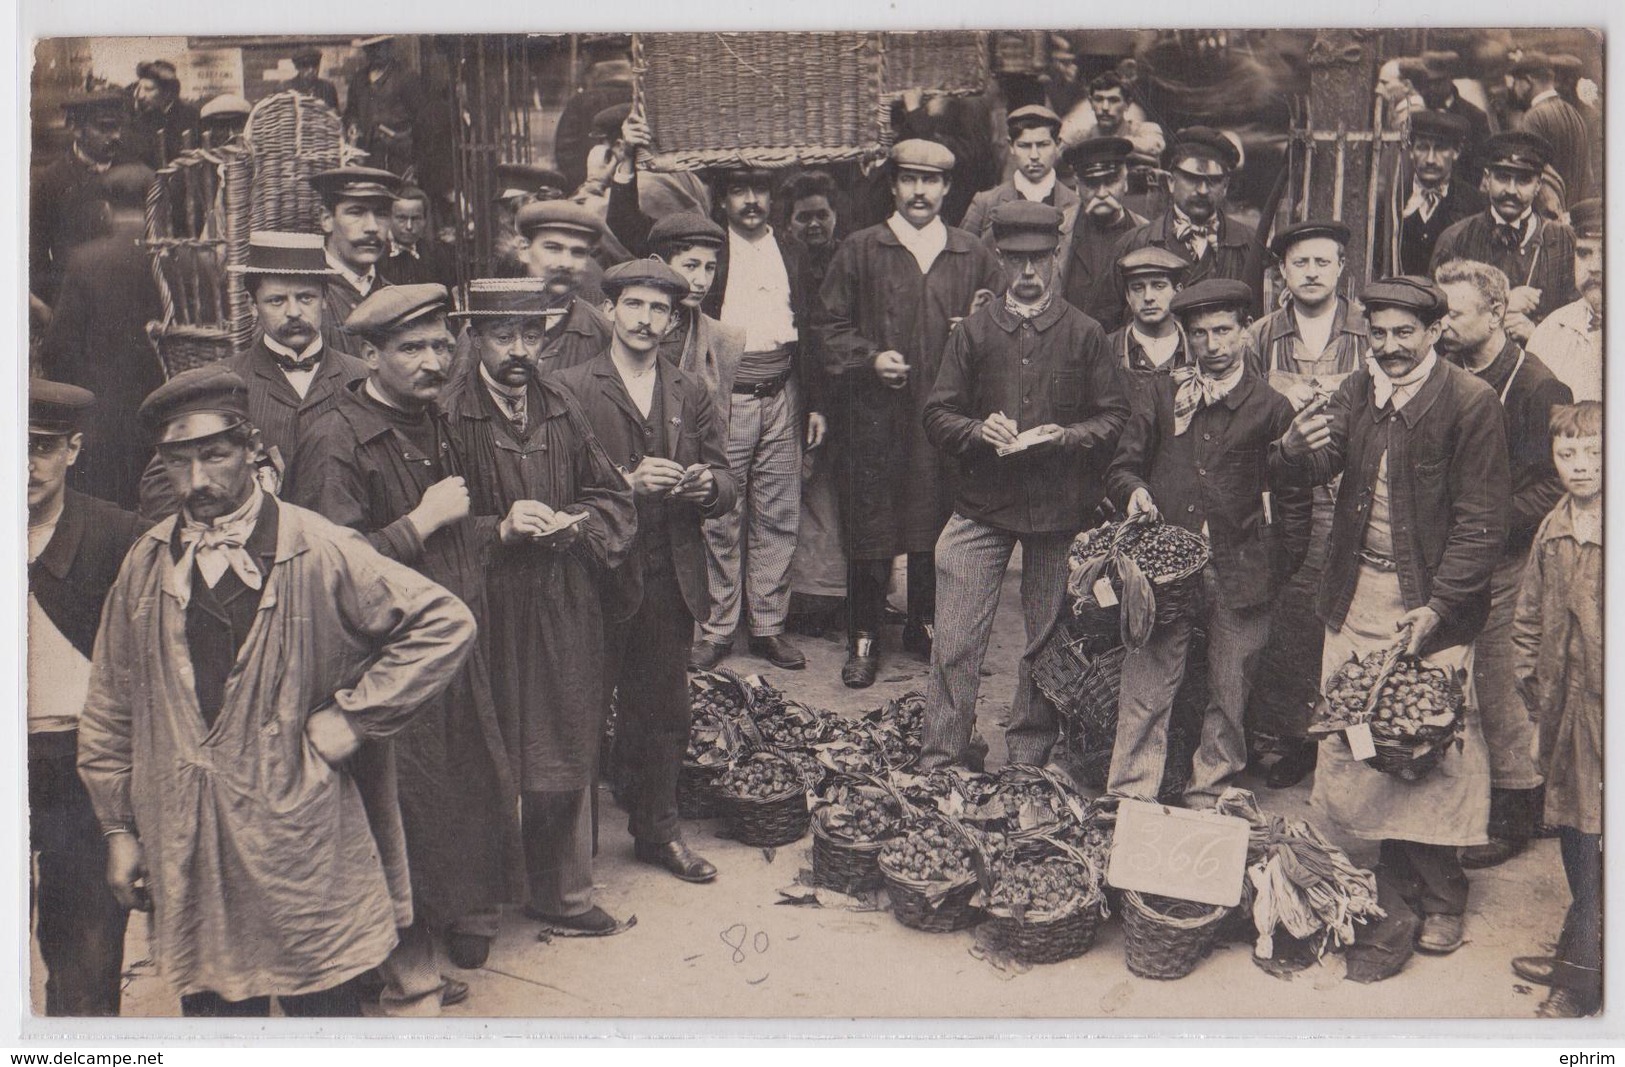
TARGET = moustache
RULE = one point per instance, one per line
(1590, 282)
(423, 381)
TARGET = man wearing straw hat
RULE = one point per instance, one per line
(356, 207)
(293, 375)
(529, 448)
(224, 118)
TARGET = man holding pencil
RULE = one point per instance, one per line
(1029, 406)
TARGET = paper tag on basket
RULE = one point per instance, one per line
(1360, 742)
(1104, 596)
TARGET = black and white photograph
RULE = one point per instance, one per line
(981, 524)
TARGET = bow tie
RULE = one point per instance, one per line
(297, 366)
(1506, 237)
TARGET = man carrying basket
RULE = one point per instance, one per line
(1419, 525)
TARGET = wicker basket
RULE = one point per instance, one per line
(183, 348)
(845, 866)
(697, 795)
(1404, 760)
(1165, 938)
(942, 62)
(1037, 938)
(925, 906)
(292, 136)
(760, 99)
(766, 822)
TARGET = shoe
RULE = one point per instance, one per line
(1493, 854)
(777, 650)
(468, 951)
(1537, 969)
(677, 858)
(595, 920)
(1441, 934)
(918, 636)
(705, 655)
(862, 663)
(1293, 767)
(452, 992)
(1564, 1004)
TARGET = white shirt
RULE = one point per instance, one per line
(757, 299)
(361, 283)
(1159, 350)
(1418, 203)
(924, 243)
(513, 402)
(58, 674)
(1549, 94)
(1567, 344)
(1399, 391)
(1315, 332)
(1036, 192)
(299, 379)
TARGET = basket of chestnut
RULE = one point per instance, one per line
(1045, 909)
(764, 798)
(851, 821)
(933, 872)
(1414, 709)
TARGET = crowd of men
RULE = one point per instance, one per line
(336, 697)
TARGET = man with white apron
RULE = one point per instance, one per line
(1305, 349)
(1418, 527)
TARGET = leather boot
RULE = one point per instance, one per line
(862, 662)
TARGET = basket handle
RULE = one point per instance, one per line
(1390, 660)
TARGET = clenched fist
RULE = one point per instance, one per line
(443, 503)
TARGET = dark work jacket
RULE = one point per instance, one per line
(274, 408)
(1417, 237)
(1138, 373)
(1449, 491)
(694, 434)
(156, 137)
(339, 298)
(1092, 285)
(546, 618)
(579, 339)
(1233, 254)
(72, 576)
(1545, 261)
(1528, 408)
(320, 88)
(1051, 369)
(1216, 473)
(65, 209)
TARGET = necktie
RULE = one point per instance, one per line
(217, 547)
(1430, 203)
(1506, 237)
(297, 366)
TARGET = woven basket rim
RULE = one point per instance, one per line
(1135, 900)
(777, 798)
(918, 885)
(819, 830)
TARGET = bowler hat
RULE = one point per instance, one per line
(1585, 218)
(1439, 125)
(527, 179)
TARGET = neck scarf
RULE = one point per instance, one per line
(924, 244)
(1194, 391)
(1195, 238)
(216, 547)
(1397, 391)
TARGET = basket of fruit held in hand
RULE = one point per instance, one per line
(933, 872)
(1154, 571)
(1045, 909)
(764, 798)
(1414, 709)
(851, 820)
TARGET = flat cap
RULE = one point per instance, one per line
(559, 215)
(918, 154)
(1408, 292)
(1026, 226)
(607, 123)
(527, 179)
(395, 307)
(56, 408)
(355, 183)
(175, 410)
(159, 70)
(1212, 293)
(1439, 125)
(1202, 142)
(276, 252)
(649, 272)
(1152, 260)
(1439, 64)
(1585, 218)
(504, 298)
(1032, 115)
(81, 104)
(309, 56)
(686, 228)
(1538, 64)
(1100, 156)
(1517, 150)
(1303, 231)
(225, 105)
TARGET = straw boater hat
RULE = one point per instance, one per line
(504, 298)
(272, 252)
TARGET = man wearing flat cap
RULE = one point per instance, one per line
(65, 198)
(1151, 343)
(1569, 340)
(1035, 145)
(1554, 120)
(557, 241)
(1534, 252)
(357, 203)
(385, 104)
(383, 461)
(1196, 227)
(75, 546)
(892, 294)
(293, 375)
(1419, 526)
(307, 79)
(659, 427)
(251, 656)
(518, 184)
(1194, 456)
(1101, 167)
(1436, 195)
(164, 125)
(1305, 349)
(528, 447)
(1039, 493)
